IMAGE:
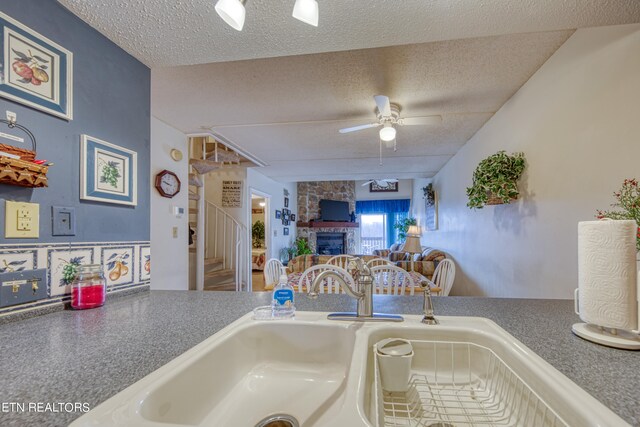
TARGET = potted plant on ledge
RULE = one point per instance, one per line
(495, 180)
(628, 203)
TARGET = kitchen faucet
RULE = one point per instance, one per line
(363, 294)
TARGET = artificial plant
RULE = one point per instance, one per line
(403, 226)
(257, 234)
(300, 247)
(628, 201)
(496, 177)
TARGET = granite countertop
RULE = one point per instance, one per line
(88, 356)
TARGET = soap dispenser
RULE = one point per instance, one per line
(282, 301)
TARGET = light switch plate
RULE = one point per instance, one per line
(63, 221)
(21, 220)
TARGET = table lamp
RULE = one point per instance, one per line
(412, 242)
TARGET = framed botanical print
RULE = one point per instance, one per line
(108, 172)
(36, 71)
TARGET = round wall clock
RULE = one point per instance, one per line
(167, 183)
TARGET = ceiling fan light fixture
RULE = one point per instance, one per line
(232, 12)
(306, 11)
(388, 133)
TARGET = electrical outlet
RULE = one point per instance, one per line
(21, 220)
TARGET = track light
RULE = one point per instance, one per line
(306, 11)
(233, 12)
(388, 132)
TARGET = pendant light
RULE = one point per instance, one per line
(233, 12)
(306, 11)
(388, 132)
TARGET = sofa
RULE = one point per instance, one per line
(424, 263)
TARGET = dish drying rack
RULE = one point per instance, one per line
(460, 384)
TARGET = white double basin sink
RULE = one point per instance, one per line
(323, 373)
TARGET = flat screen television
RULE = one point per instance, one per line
(334, 210)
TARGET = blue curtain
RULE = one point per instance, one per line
(394, 211)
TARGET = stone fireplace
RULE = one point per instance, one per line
(309, 196)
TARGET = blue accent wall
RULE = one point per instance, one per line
(111, 96)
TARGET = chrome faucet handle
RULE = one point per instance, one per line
(429, 318)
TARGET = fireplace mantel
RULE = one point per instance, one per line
(327, 224)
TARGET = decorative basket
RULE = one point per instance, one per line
(494, 200)
(23, 171)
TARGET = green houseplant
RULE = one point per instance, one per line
(628, 200)
(495, 180)
(403, 226)
(257, 234)
(300, 247)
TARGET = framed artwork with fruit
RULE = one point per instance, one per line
(37, 71)
(108, 172)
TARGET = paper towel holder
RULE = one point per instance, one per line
(610, 337)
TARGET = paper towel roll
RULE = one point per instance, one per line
(607, 273)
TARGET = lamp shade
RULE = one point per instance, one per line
(412, 245)
(414, 230)
(306, 11)
(233, 12)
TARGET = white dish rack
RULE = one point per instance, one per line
(460, 384)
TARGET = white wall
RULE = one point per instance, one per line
(260, 182)
(578, 122)
(405, 190)
(169, 256)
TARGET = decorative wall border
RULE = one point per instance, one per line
(53, 257)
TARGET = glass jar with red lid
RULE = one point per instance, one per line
(89, 289)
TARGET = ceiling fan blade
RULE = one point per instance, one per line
(357, 128)
(384, 106)
(368, 182)
(392, 180)
(426, 120)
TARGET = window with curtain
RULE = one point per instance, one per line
(377, 218)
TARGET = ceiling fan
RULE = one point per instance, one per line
(382, 183)
(388, 115)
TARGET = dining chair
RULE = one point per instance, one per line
(374, 262)
(390, 279)
(272, 270)
(443, 276)
(341, 261)
(329, 285)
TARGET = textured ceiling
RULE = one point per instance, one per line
(181, 32)
(465, 81)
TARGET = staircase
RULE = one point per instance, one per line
(226, 252)
(220, 249)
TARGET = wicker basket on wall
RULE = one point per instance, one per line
(494, 200)
(22, 172)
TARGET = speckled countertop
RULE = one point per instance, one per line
(88, 356)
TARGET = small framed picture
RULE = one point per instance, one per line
(286, 231)
(285, 216)
(284, 221)
(293, 217)
(108, 172)
(286, 202)
(37, 71)
(286, 211)
(278, 214)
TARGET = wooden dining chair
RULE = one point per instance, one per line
(329, 285)
(389, 279)
(443, 276)
(272, 270)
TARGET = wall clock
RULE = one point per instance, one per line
(167, 183)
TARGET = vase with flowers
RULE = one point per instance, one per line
(628, 206)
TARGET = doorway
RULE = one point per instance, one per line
(260, 238)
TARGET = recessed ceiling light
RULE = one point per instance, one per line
(233, 12)
(306, 11)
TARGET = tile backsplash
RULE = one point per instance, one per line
(125, 265)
